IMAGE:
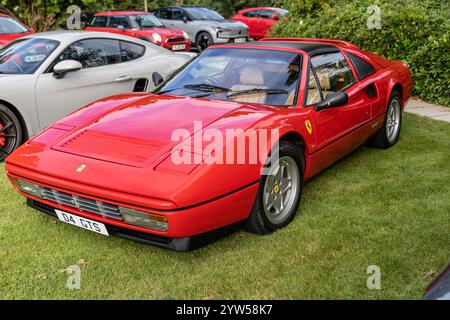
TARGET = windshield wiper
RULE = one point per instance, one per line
(257, 90)
(206, 88)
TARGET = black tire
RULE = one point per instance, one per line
(11, 132)
(258, 221)
(203, 41)
(381, 139)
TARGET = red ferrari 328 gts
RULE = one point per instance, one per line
(139, 166)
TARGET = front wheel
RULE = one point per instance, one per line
(10, 132)
(389, 133)
(203, 41)
(279, 193)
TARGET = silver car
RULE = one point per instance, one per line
(204, 26)
(46, 76)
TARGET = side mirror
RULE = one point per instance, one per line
(157, 79)
(336, 99)
(64, 67)
(275, 17)
(121, 28)
(185, 19)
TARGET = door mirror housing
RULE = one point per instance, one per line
(336, 99)
(157, 79)
(275, 17)
(121, 28)
(64, 67)
(185, 19)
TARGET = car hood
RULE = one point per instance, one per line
(164, 32)
(125, 143)
(141, 134)
(227, 24)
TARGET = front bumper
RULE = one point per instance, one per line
(221, 39)
(185, 225)
(174, 45)
(177, 244)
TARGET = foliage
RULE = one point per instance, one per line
(49, 14)
(411, 30)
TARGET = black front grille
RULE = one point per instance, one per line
(83, 204)
(173, 40)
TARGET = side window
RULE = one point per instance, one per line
(130, 51)
(178, 14)
(313, 94)
(362, 67)
(98, 22)
(333, 72)
(164, 14)
(250, 14)
(115, 22)
(93, 53)
(266, 14)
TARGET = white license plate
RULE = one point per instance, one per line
(179, 47)
(84, 223)
(240, 40)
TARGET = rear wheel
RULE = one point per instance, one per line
(279, 193)
(390, 131)
(203, 41)
(10, 132)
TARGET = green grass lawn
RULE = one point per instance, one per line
(389, 208)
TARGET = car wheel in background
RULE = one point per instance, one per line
(390, 131)
(279, 192)
(10, 132)
(203, 41)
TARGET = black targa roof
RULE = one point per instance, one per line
(312, 48)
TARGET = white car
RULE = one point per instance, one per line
(46, 76)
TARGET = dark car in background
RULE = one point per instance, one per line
(439, 289)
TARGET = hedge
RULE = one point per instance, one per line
(412, 31)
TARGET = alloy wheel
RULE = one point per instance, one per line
(281, 189)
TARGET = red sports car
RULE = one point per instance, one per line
(142, 25)
(226, 141)
(11, 29)
(261, 20)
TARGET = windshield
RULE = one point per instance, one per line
(242, 75)
(146, 21)
(11, 26)
(204, 14)
(281, 11)
(25, 56)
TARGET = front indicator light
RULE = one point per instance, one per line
(27, 187)
(157, 38)
(144, 219)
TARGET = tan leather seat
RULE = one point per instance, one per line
(313, 91)
(250, 78)
(324, 79)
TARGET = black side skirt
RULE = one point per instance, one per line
(176, 244)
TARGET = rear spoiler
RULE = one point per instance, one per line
(330, 41)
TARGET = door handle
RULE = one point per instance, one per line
(123, 78)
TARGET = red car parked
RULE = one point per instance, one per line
(261, 20)
(142, 25)
(11, 29)
(178, 168)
